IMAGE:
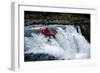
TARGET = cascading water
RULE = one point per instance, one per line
(74, 44)
(69, 43)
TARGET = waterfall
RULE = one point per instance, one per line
(69, 43)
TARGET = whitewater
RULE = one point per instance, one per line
(69, 43)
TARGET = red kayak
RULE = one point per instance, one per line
(47, 32)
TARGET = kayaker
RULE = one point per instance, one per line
(47, 32)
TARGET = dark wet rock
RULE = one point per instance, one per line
(85, 29)
(39, 57)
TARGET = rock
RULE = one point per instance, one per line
(39, 57)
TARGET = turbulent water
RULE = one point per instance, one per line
(69, 43)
